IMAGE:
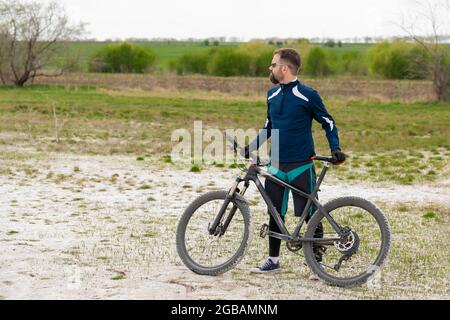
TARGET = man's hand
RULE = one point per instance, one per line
(338, 156)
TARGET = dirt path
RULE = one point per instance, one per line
(91, 227)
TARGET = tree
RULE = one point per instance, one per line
(31, 33)
(435, 16)
(330, 43)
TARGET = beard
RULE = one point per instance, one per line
(273, 79)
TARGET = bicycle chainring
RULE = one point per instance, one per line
(294, 246)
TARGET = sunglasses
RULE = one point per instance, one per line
(273, 65)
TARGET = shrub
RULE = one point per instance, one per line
(398, 60)
(316, 63)
(418, 63)
(228, 62)
(122, 58)
(261, 63)
(260, 56)
(353, 63)
(191, 63)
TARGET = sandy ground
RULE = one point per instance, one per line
(92, 227)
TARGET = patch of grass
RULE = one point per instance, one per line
(145, 187)
(388, 167)
(167, 159)
(114, 178)
(429, 215)
(140, 159)
(151, 234)
(118, 277)
(6, 171)
(12, 232)
(61, 177)
(406, 179)
(195, 168)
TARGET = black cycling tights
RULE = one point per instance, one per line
(301, 176)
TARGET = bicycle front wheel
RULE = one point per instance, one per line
(208, 254)
(357, 256)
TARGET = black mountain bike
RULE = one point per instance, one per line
(216, 229)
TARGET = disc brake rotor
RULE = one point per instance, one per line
(349, 244)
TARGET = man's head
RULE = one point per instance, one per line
(285, 66)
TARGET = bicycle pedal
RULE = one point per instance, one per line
(264, 230)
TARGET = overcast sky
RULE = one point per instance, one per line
(244, 19)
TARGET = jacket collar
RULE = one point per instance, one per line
(289, 85)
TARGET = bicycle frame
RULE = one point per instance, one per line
(252, 175)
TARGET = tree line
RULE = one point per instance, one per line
(32, 33)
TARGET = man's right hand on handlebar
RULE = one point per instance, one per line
(338, 156)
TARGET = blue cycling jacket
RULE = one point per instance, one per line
(290, 109)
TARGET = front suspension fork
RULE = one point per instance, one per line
(213, 229)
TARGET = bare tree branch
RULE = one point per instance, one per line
(33, 32)
(440, 54)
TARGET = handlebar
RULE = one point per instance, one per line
(325, 159)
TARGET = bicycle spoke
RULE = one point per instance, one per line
(366, 239)
(209, 250)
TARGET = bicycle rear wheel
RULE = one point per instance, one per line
(356, 257)
(208, 254)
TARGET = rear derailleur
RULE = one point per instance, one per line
(348, 245)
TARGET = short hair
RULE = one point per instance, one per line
(292, 57)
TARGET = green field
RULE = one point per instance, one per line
(404, 142)
(167, 51)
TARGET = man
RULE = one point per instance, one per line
(291, 106)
